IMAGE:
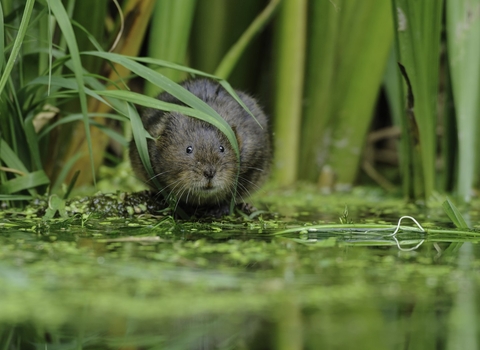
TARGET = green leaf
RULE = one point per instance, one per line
(28, 181)
(454, 214)
(289, 72)
(175, 90)
(463, 34)
(15, 197)
(167, 64)
(55, 204)
(2, 40)
(141, 142)
(418, 31)
(66, 83)
(10, 158)
(65, 25)
(169, 36)
(75, 117)
(22, 29)
(151, 102)
(64, 172)
(231, 58)
(347, 55)
(111, 134)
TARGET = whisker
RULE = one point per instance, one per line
(159, 174)
(254, 184)
(232, 192)
(254, 168)
(179, 196)
(188, 195)
(245, 189)
(161, 190)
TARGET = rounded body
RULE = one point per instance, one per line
(194, 161)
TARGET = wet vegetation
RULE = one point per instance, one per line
(381, 94)
(311, 273)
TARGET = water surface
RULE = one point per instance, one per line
(143, 283)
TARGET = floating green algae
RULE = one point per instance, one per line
(148, 281)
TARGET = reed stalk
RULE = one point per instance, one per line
(417, 30)
(323, 40)
(289, 72)
(137, 13)
(463, 30)
(232, 57)
(209, 31)
(169, 36)
(350, 41)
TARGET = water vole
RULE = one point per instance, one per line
(194, 161)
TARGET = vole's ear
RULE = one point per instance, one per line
(154, 121)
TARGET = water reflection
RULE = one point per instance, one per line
(137, 288)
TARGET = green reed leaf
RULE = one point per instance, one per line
(65, 25)
(454, 214)
(22, 29)
(28, 181)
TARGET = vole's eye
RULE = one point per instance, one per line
(222, 149)
(189, 149)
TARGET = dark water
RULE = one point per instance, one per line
(142, 283)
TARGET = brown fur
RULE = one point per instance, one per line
(206, 176)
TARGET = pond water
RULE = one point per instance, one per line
(143, 283)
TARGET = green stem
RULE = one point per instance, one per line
(233, 55)
(169, 36)
(22, 29)
(289, 88)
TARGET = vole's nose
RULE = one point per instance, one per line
(209, 173)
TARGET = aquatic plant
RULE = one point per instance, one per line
(71, 83)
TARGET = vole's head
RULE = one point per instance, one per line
(194, 161)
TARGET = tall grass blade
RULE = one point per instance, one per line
(350, 42)
(450, 135)
(140, 137)
(171, 65)
(2, 39)
(463, 38)
(208, 36)
(394, 93)
(62, 175)
(458, 220)
(137, 15)
(151, 102)
(418, 29)
(172, 88)
(231, 58)
(454, 214)
(26, 182)
(65, 25)
(218, 26)
(169, 36)
(22, 29)
(10, 158)
(290, 45)
(318, 113)
(365, 39)
(89, 25)
(71, 185)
